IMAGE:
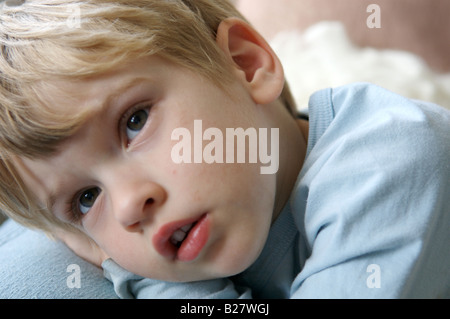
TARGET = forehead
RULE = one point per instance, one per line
(71, 96)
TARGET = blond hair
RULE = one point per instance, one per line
(49, 39)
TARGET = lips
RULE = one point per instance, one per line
(182, 240)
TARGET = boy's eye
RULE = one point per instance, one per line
(136, 123)
(87, 200)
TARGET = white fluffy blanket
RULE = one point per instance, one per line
(323, 56)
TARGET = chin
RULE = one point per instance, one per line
(233, 262)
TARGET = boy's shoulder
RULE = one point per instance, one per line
(368, 96)
(362, 99)
(362, 132)
(365, 112)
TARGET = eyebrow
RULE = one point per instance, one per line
(25, 170)
(112, 98)
(52, 198)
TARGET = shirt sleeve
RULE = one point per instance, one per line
(130, 286)
(374, 190)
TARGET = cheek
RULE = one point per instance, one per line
(243, 219)
(238, 244)
(238, 185)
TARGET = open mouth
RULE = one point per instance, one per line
(180, 234)
(182, 240)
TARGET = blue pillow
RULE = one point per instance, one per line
(34, 266)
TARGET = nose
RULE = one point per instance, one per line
(135, 201)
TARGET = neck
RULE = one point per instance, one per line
(293, 144)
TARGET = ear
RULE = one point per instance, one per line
(253, 60)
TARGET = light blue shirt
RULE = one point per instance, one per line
(369, 216)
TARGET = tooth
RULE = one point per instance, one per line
(186, 228)
(178, 235)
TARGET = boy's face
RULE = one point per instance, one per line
(117, 176)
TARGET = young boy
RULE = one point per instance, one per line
(115, 137)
